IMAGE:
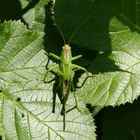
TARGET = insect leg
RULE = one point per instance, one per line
(54, 56)
(76, 57)
(76, 103)
(57, 90)
(74, 66)
(84, 81)
(50, 70)
(63, 112)
(66, 94)
(46, 68)
(66, 89)
(64, 115)
(60, 89)
(54, 98)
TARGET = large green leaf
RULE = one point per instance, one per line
(113, 88)
(119, 81)
(26, 100)
(21, 53)
(26, 114)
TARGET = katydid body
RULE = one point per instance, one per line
(65, 73)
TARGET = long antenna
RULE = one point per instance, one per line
(78, 27)
(51, 15)
(60, 32)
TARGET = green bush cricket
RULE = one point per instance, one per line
(65, 74)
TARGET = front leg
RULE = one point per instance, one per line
(76, 57)
(54, 56)
(74, 66)
(50, 70)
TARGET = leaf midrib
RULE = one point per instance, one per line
(28, 112)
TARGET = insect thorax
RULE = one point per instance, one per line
(66, 55)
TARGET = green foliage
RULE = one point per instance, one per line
(26, 101)
(109, 33)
